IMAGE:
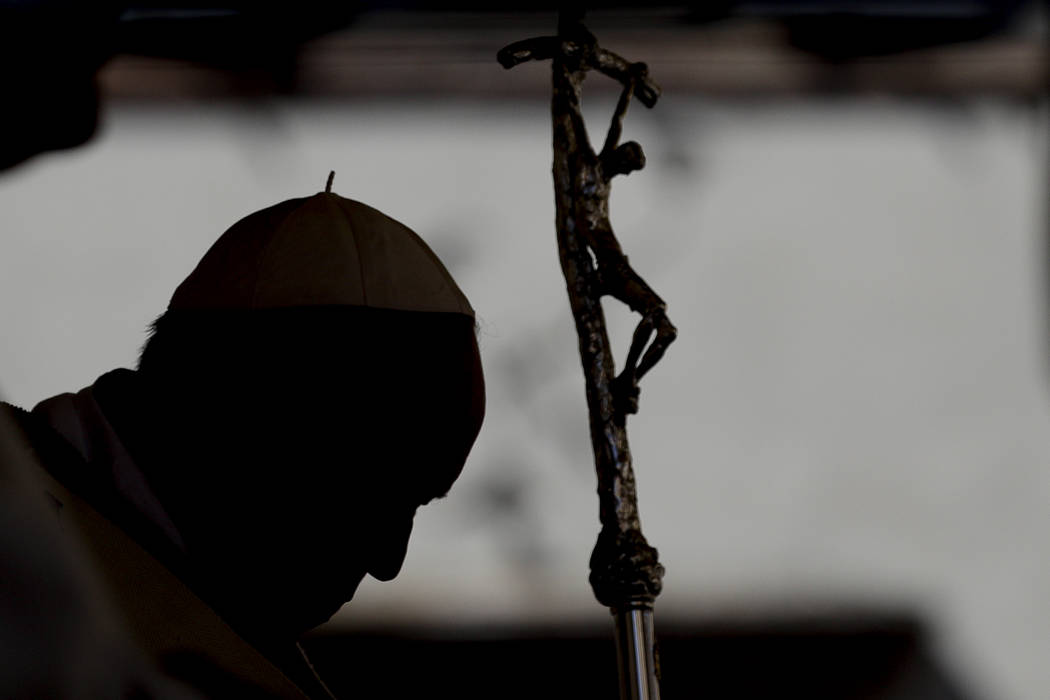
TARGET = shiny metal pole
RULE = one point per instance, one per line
(626, 574)
(636, 654)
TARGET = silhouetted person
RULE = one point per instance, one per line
(314, 381)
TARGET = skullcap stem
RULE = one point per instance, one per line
(328, 186)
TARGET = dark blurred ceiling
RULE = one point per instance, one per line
(235, 34)
(53, 50)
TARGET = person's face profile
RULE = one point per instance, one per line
(326, 443)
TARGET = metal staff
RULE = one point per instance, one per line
(625, 573)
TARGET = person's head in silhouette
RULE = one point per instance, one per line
(313, 382)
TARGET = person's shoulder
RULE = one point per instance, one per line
(36, 434)
(52, 451)
(16, 425)
(12, 413)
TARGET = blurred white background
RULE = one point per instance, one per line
(857, 410)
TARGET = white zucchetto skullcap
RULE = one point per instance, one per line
(320, 250)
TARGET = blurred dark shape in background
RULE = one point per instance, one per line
(840, 29)
(50, 52)
(52, 49)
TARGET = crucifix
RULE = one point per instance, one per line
(625, 571)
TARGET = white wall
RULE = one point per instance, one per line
(856, 412)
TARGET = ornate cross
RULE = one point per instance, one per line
(625, 572)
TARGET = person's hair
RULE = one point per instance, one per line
(188, 341)
(377, 375)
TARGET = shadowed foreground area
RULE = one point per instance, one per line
(883, 657)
